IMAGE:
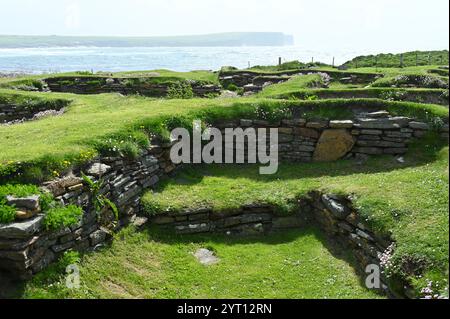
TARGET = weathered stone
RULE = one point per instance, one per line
(369, 137)
(21, 229)
(58, 187)
(29, 203)
(419, 126)
(368, 150)
(338, 209)
(63, 247)
(395, 151)
(246, 123)
(307, 132)
(341, 124)
(345, 226)
(98, 169)
(97, 237)
(26, 214)
(378, 114)
(364, 235)
(206, 257)
(17, 244)
(285, 130)
(43, 262)
(333, 145)
(283, 138)
(380, 144)
(317, 124)
(192, 228)
(371, 132)
(384, 124)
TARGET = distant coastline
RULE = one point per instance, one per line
(237, 39)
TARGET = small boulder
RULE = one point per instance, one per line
(206, 257)
(98, 169)
(333, 145)
(30, 203)
(333, 204)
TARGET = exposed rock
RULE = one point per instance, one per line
(26, 214)
(341, 124)
(58, 186)
(226, 94)
(419, 126)
(98, 169)
(384, 124)
(338, 209)
(333, 145)
(307, 132)
(317, 124)
(206, 257)
(30, 203)
(379, 114)
(97, 237)
(21, 229)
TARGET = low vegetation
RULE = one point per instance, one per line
(406, 200)
(415, 58)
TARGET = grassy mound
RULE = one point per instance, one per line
(414, 58)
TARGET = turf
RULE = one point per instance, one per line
(153, 264)
(408, 201)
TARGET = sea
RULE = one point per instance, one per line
(68, 59)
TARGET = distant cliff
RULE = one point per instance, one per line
(213, 40)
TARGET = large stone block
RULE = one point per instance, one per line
(21, 230)
(333, 145)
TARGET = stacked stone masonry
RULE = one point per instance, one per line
(27, 248)
(13, 112)
(126, 86)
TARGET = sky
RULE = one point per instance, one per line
(375, 25)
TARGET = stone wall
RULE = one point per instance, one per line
(427, 96)
(27, 248)
(126, 86)
(301, 140)
(12, 112)
(333, 214)
(254, 81)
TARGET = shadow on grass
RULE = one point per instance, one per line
(16, 289)
(335, 248)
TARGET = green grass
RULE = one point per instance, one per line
(417, 95)
(408, 201)
(294, 84)
(156, 264)
(410, 59)
(94, 123)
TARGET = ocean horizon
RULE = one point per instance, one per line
(115, 59)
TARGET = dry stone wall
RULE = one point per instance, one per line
(26, 247)
(255, 81)
(126, 86)
(13, 113)
(378, 133)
